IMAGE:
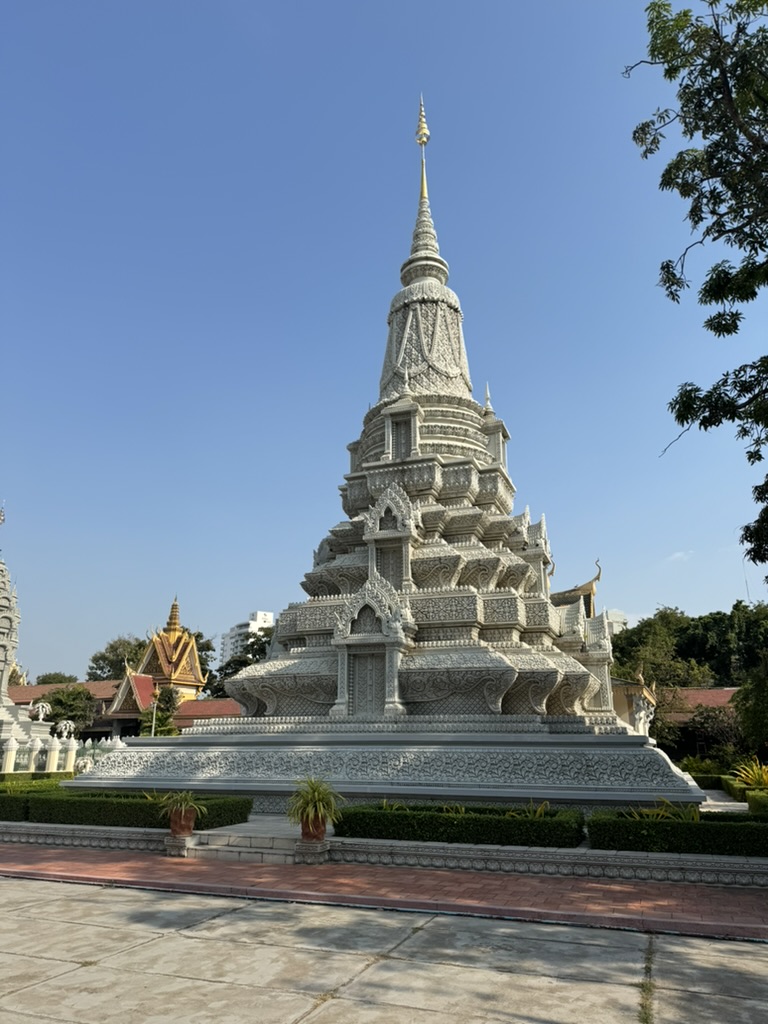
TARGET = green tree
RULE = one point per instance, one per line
(672, 648)
(73, 703)
(110, 663)
(167, 701)
(650, 649)
(206, 652)
(717, 727)
(256, 649)
(751, 703)
(664, 729)
(55, 679)
(718, 61)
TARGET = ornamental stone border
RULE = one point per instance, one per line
(151, 840)
(579, 861)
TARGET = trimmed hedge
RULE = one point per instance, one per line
(35, 776)
(734, 788)
(110, 809)
(14, 807)
(484, 826)
(716, 834)
(757, 801)
(708, 781)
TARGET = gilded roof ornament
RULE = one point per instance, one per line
(174, 622)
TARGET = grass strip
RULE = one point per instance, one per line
(647, 985)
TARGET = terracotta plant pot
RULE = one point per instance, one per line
(183, 822)
(313, 831)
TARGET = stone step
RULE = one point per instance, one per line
(250, 841)
(244, 841)
(241, 853)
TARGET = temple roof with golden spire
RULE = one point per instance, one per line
(171, 656)
(170, 659)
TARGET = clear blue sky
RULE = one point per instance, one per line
(205, 206)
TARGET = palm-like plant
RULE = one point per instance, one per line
(313, 804)
(752, 772)
(665, 810)
(531, 811)
(181, 807)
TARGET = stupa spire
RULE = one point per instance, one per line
(425, 259)
(425, 352)
(422, 138)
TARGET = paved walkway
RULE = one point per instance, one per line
(686, 909)
(75, 954)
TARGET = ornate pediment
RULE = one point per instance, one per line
(377, 601)
(392, 510)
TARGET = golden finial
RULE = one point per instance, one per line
(173, 625)
(422, 138)
(422, 132)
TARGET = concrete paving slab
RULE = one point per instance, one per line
(91, 994)
(683, 1008)
(498, 996)
(533, 931)
(506, 946)
(120, 955)
(16, 893)
(348, 1011)
(340, 929)
(712, 968)
(135, 908)
(18, 972)
(60, 940)
(21, 1017)
(275, 967)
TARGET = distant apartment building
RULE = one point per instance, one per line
(233, 641)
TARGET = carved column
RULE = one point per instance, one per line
(407, 580)
(52, 756)
(9, 755)
(69, 754)
(387, 456)
(341, 708)
(392, 706)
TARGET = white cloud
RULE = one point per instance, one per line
(680, 556)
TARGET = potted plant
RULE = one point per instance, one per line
(313, 805)
(181, 808)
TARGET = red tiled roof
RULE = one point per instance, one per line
(690, 697)
(710, 697)
(143, 688)
(102, 689)
(215, 707)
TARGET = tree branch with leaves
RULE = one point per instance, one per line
(718, 60)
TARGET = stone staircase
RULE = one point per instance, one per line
(263, 839)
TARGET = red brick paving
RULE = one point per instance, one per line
(689, 909)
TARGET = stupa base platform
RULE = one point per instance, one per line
(585, 761)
